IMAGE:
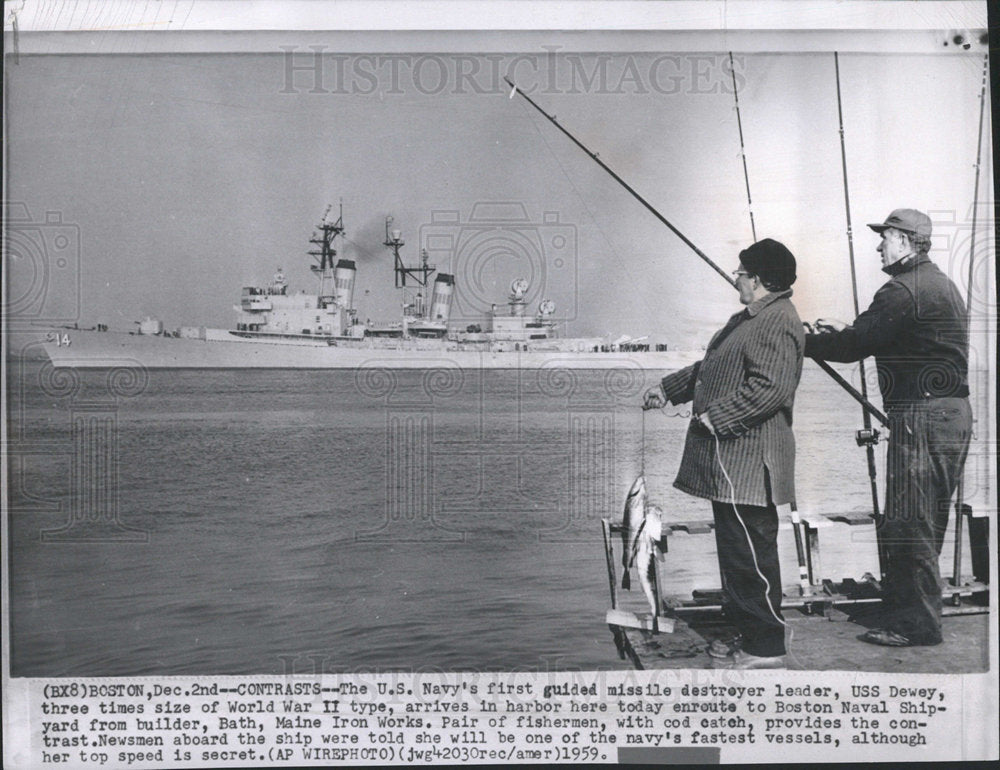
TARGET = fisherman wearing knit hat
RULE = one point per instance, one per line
(739, 451)
(770, 261)
(917, 329)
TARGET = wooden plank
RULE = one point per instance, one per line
(658, 559)
(950, 611)
(853, 519)
(853, 589)
(848, 592)
(966, 589)
(624, 646)
(661, 542)
(812, 522)
(609, 556)
(787, 603)
(822, 600)
(815, 520)
(979, 545)
(626, 619)
(692, 527)
(812, 554)
(820, 645)
(707, 595)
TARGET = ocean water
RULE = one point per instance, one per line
(256, 522)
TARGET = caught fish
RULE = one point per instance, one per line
(644, 556)
(632, 524)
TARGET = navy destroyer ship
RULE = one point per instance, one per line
(276, 328)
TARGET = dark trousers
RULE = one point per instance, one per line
(744, 602)
(928, 445)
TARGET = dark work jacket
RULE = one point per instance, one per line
(746, 382)
(917, 329)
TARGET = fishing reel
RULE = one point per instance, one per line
(867, 436)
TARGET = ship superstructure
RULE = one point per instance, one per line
(277, 328)
(272, 313)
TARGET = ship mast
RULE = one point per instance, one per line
(326, 252)
(420, 274)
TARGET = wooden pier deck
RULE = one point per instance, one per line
(824, 617)
(818, 643)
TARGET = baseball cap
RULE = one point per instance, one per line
(910, 220)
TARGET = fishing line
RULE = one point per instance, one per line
(684, 414)
(753, 551)
(642, 447)
(746, 531)
(743, 152)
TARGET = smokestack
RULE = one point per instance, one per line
(444, 287)
(343, 281)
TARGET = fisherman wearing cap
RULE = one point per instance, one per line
(917, 329)
(739, 451)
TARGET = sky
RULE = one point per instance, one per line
(184, 177)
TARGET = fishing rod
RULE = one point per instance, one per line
(866, 437)
(743, 152)
(552, 118)
(976, 529)
(868, 405)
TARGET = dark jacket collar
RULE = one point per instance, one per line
(905, 265)
(759, 304)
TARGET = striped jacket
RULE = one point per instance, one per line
(746, 382)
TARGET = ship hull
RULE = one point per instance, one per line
(221, 350)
